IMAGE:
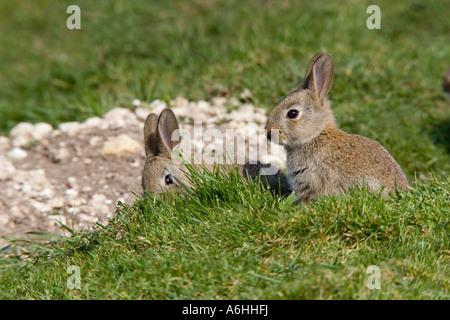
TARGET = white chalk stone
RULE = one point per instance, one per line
(142, 113)
(121, 145)
(41, 131)
(136, 102)
(94, 140)
(7, 169)
(95, 123)
(16, 154)
(60, 155)
(117, 115)
(179, 102)
(70, 128)
(219, 101)
(5, 143)
(47, 193)
(20, 135)
(71, 193)
(72, 182)
(4, 219)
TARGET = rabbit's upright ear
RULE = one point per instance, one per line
(151, 135)
(167, 124)
(319, 76)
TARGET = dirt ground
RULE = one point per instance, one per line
(77, 186)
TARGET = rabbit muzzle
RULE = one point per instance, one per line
(274, 134)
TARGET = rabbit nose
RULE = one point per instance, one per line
(269, 132)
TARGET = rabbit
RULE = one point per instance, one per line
(162, 173)
(322, 159)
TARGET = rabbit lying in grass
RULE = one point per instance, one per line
(162, 173)
(322, 159)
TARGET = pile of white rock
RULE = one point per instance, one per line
(245, 120)
(76, 173)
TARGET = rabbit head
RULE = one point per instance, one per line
(304, 113)
(161, 173)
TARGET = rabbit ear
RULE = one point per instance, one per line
(167, 124)
(308, 74)
(319, 76)
(151, 135)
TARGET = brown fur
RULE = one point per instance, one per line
(322, 159)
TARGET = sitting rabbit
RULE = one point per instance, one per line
(162, 173)
(322, 159)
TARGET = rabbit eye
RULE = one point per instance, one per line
(292, 114)
(168, 179)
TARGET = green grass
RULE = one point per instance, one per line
(387, 81)
(228, 240)
(243, 243)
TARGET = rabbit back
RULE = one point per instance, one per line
(336, 160)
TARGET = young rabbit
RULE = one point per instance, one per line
(322, 159)
(162, 173)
